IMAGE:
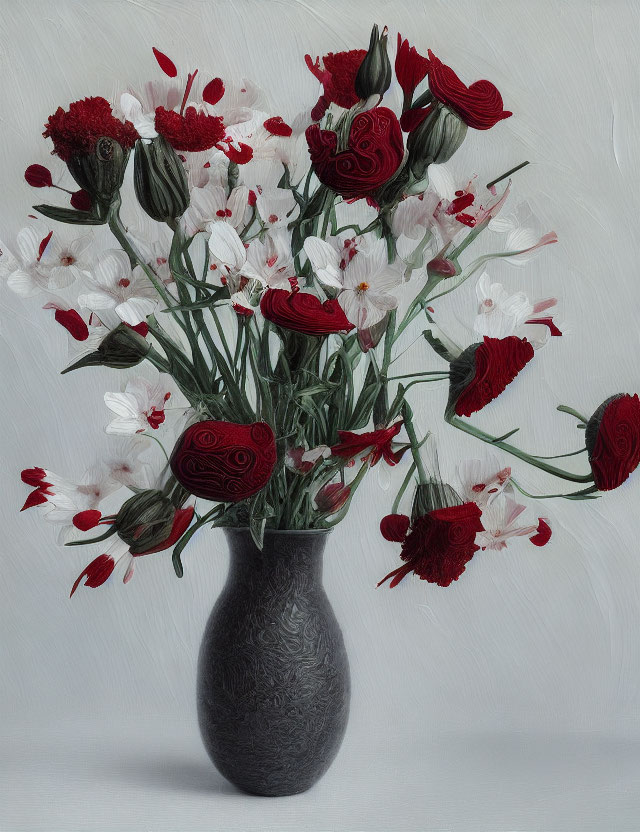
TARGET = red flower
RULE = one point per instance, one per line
(413, 118)
(36, 477)
(213, 91)
(411, 67)
(338, 79)
(543, 534)
(77, 131)
(331, 497)
(439, 545)
(224, 461)
(483, 371)
(181, 522)
(193, 131)
(374, 153)
(277, 127)
(96, 573)
(479, 106)
(378, 440)
(303, 312)
(612, 438)
(394, 527)
(38, 176)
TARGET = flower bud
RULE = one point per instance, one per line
(433, 495)
(100, 173)
(145, 520)
(159, 179)
(434, 140)
(331, 497)
(441, 267)
(123, 347)
(374, 74)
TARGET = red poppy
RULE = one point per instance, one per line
(479, 105)
(76, 131)
(379, 441)
(193, 131)
(612, 438)
(224, 461)
(483, 371)
(374, 153)
(411, 67)
(303, 312)
(439, 545)
(338, 78)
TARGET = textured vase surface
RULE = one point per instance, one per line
(273, 674)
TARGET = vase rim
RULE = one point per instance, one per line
(276, 531)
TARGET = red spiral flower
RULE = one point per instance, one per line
(76, 131)
(612, 438)
(439, 545)
(374, 153)
(483, 371)
(224, 461)
(479, 105)
(194, 131)
(303, 312)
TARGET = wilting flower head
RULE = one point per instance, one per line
(479, 105)
(337, 74)
(378, 441)
(612, 438)
(303, 312)
(373, 154)
(224, 461)
(483, 371)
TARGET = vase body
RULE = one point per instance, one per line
(273, 674)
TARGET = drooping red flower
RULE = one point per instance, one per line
(379, 441)
(479, 105)
(439, 545)
(338, 78)
(303, 312)
(374, 153)
(612, 438)
(193, 131)
(38, 176)
(224, 461)
(483, 371)
(332, 496)
(96, 572)
(543, 533)
(411, 67)
(277, 127)
(394, 527)
(76, 131)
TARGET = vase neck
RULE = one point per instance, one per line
(289, 553)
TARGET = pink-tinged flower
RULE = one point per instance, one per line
(543, 533)
(483, 480)
(302, 461)
(499, 521)
(269, 261)
(394, 527)
(115, 286)
(479, 105)
(25, 273)
(411, 67)
(276, 206)
(331, 497)
(378, 443)
(140, 407)
(337, 74)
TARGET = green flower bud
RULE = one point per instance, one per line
(100, 173)
(160, 180)
(123, 347)
(145, 520)
(434, 140)
(374, 74)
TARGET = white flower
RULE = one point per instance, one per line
(276, 206)
(124, 464)
(29, 273)
(210, 204)
(270, 261)
(140, 108)
(482, 480)
(116, 286)
(67, 259)
(523, 234)
(226, 247)
(140, 407)
(367, 279)
(325, 261)
(499, 521)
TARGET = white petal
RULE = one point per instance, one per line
(441, 181)
(112, 266)
(226, 246)
(135, 310)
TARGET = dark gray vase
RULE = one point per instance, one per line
(273, 674)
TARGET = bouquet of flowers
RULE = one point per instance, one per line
(269, 274)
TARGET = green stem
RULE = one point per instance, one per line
(403, 488)
(407, 416)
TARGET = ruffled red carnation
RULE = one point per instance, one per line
(439, 545)
(277, 126)
(304, 312)
(483, 371)
(411, 67)
(338, 78)
(379, 441)
(612, 438)
(224, 461)
(479, 105)
(193, 131)
(374, 153)
(77, 130)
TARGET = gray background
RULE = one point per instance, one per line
(507, 701)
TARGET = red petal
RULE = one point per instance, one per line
(85, 520)
(412, 118)
(397, 575)
(240, 157)
(36, 498)
(181, 520)
(214, 91)
(277, 127)
(543, 535)
(96, 573)
(34, 477)
(73, 323)
(81, 201)
(38, 176)
(553, 329)
(166, 64)
(141, 328)
(394, 527)
(43, 244)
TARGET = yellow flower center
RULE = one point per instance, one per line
(362, 287)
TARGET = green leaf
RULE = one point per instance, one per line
(69, 215)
